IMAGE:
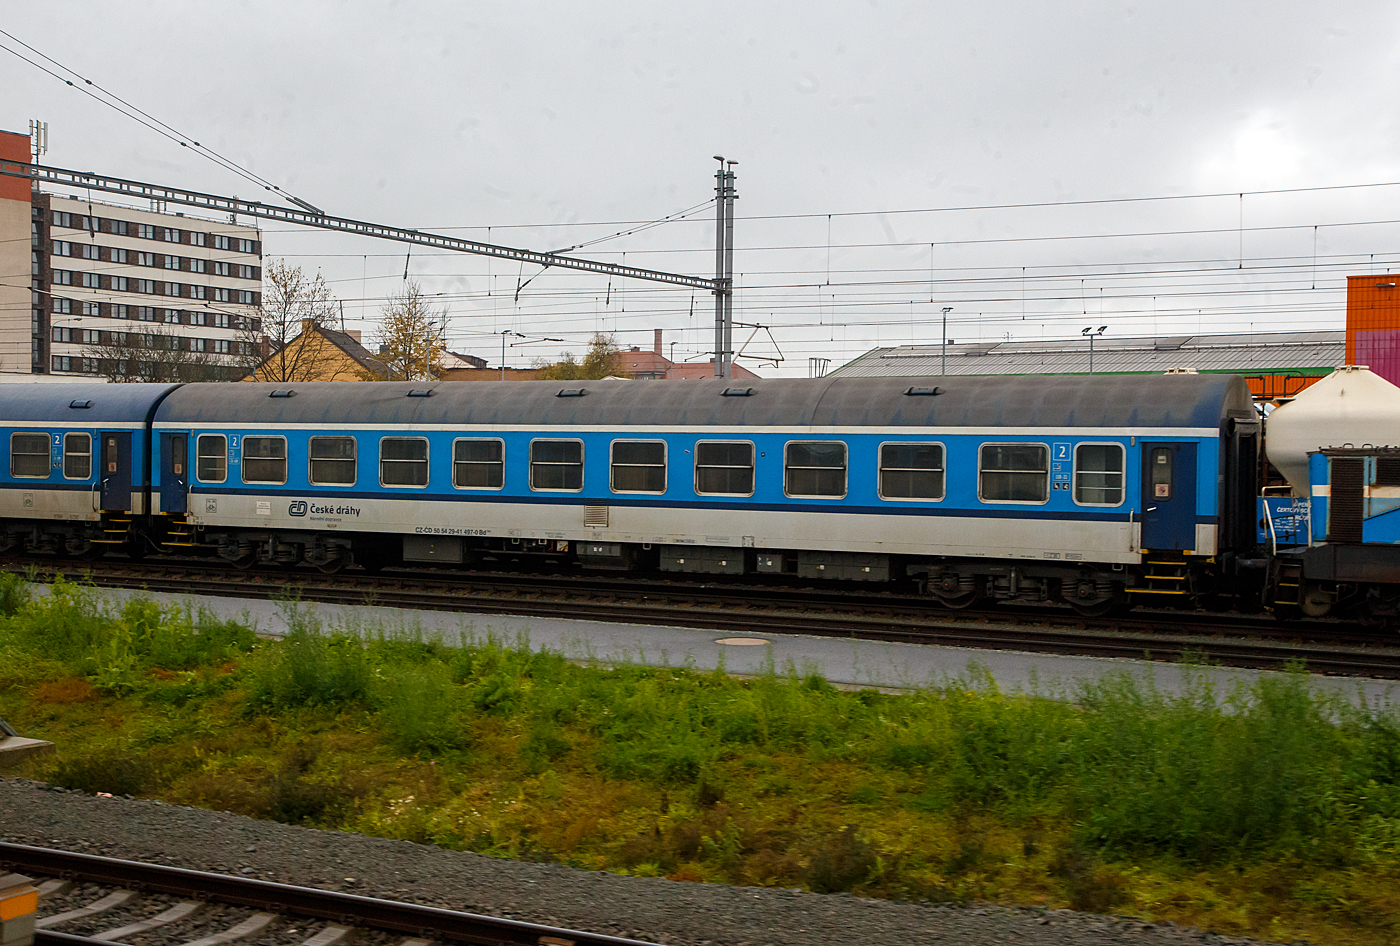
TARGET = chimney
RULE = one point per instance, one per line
(305, 326)
(656, 342)
(355, 334)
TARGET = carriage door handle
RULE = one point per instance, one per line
(94, 493)
(1151, 509)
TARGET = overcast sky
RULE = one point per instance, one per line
(553, 123)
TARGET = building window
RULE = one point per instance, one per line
(77, 456)
(62, 363)
(34, 264)
(61, 334)
(92, 336)
(815, 469)
(197, 318)
(220, 269)
(221, 346)
(1098, 474)
(1014, 473)
(172, 236)
(145, 313)
(403, 461)
(220, 242)
(90, 251)
(478, 464)
(911, 471)
(92, 281)
(62, 218)
(118, 227)
(146, 231)
(172, 316)
(197, 265)
(91, 365)
(147, 286)
(62, 248)
(29, 455)
(556, 464)
(221, 320)
(35, 237)
(333, 461)
(199, 239)
(197, 292)
(265, 460)
(119, 283)
(220, 295)
(211, 458)
(247, 246)
(145, 259)
(62, 306)
(117, 311)
(724, 468)
(62, 277)
(245, 272)
(245, 297)
(171, 262)
(638, 466)
(172, 289)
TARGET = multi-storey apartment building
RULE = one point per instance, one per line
(113, 289)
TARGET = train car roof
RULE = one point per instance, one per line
(1121, 401)
(62, 403)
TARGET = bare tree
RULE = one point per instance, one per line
(412, 335)
(293, 305)
(155, 355)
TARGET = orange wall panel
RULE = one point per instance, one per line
(1373, 324)
(14, 147)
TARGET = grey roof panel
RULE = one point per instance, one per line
(111, 403)
(1067, 401)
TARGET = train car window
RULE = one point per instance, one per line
(815, 469)
(77, 456)
(211, 458)
(264, 459)
(1161, 473)
(556, 464)
(1098, 474)
(332, 461)
(911, 471)
(29, 455)
(1014, 473)
(724, 468)
(478, 464)
(638, 466)
(403, 461)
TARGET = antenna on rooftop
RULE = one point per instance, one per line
(39, 141)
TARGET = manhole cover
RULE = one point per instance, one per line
(742, 641)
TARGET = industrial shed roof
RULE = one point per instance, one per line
(1255, 354)
(1198, 401)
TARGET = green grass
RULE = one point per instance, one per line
(1272, 809)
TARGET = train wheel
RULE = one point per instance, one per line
(245, 562)
(958, 602)
(1099, 608)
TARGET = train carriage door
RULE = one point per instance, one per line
(1168, 496)
(174, 470)
(116, 470)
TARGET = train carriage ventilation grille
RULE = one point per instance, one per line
(595, 516)
(80, 405)
(1387, 471)
(922, 392)
(737, 392)
(572, 392)
(1346, 504)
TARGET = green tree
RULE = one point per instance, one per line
(600, 361)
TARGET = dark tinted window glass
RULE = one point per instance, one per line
(1015, 472)
(638, 466)
(1098, 474)
(77, 456)
(816, 469)
(403, 461)
(333, 461)
(29, 455)
(556, 464)
(911, 471)
(264, 460)
(211, 458)
(478, 464)
(724, 467)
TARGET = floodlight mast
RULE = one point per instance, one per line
(724, 268)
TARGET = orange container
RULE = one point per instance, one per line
(1373, 324)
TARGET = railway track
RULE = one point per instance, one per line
(250, 911)
(1336, 648)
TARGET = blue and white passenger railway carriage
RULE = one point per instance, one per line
(1091, 490)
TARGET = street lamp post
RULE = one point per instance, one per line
(1089, 331)
(944, 370)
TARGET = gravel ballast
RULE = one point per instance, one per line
(656, 910)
